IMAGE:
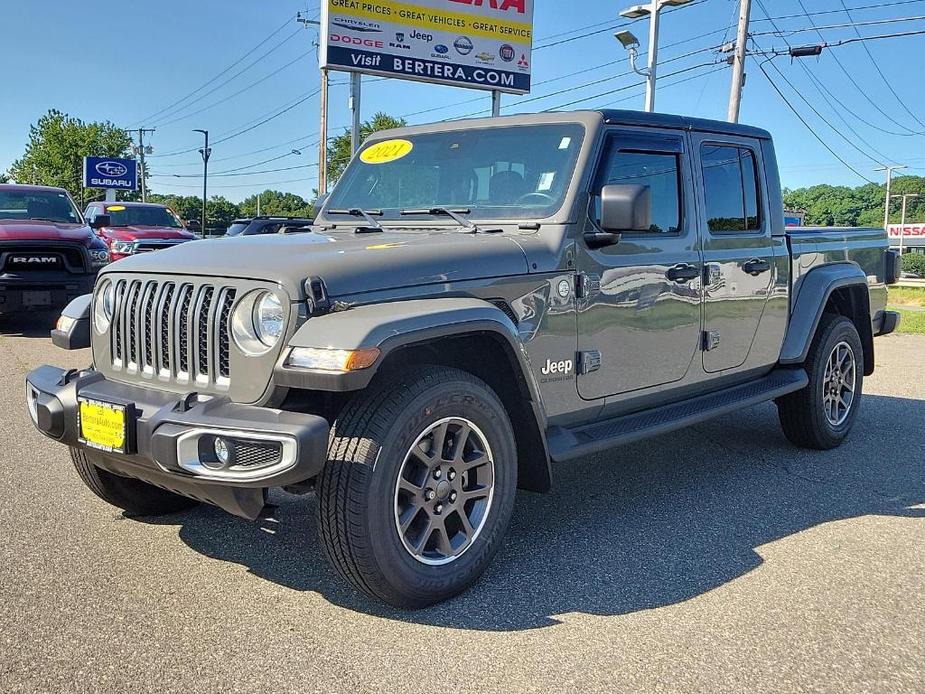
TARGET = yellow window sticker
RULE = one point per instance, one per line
(386, 151)
(116, 208)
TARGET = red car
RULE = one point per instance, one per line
(48, 254)
(136, 227)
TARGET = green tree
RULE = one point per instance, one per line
(187, 207)
(339, 151)
(276, 203)
(220, 213)
(57, 145)
(827, 205)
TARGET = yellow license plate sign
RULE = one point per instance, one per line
(102, 425)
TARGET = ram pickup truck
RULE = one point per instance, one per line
(478, 300)
(48, 254)
(136, 227)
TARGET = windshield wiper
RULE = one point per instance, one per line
(367, 215)
(454, 214)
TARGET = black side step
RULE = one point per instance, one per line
(565, 444)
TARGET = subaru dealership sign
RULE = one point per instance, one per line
(484, 44)
(105, 172)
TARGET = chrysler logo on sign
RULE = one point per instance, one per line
(112, 169)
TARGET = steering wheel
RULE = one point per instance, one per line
(543, 198)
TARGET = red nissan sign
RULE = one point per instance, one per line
(911, 234)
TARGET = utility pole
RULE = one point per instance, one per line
(889, 183)
(323, 125)
(141, 151)
(206, 152)
(355, 89)
(738, 62)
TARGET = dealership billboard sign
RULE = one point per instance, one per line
(912, 235)
(113, 174)
(482, 44)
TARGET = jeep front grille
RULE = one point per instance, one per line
(173, 330)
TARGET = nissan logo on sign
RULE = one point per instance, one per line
(111, 169)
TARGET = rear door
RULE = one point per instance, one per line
(738, 254)
(641, 305)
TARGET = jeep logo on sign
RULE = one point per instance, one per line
(112, 169)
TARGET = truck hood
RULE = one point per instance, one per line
(140, 233)
(348, 262)
(36, 230)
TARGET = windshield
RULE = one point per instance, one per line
(47, 205)
(236, 228)
(124, 216)
(496, 173)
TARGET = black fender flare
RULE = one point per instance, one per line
(394, 325)
(815, 289)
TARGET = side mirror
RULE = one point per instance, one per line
(623, 208)
(100, 221)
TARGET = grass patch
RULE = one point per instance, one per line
(907, 296)
(912, 322)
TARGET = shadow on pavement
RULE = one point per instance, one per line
(647, 525)
(31, 324)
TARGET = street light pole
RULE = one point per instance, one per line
(902, 220)
(889, 182)
(653, 9)
(206, 152)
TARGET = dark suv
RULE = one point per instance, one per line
(255, 226)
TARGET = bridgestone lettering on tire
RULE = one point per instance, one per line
(821, 415)
(448, 423)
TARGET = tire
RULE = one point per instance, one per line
(131, 495)
(806, 417)
(363, 505)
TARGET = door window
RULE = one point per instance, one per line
(660, 171)
(730, 185)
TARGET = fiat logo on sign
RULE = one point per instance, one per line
(112, 169)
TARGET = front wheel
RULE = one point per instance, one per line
(419, 485)
(821, 415)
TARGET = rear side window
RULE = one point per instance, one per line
(660, 171)
(730, 189)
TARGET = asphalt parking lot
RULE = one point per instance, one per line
(719, 558)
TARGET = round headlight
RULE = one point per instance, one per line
(257, 322)
(103, 306)
(268, 319)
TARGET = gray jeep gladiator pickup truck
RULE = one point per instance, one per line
(477, 300)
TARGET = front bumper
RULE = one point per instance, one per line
(161, 426)
(19, 294)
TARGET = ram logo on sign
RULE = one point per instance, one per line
(451, 42)
(107, 172)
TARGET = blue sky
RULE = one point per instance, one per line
(127, 61)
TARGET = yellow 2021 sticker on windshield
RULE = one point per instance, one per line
(386, 151)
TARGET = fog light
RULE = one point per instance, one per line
(222, 450)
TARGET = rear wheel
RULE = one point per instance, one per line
(821, 415)
(130, 495)
(419, 486)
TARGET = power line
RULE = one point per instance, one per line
(184, 106)
(239, 92)
(851, 77)
(808, 126)
(879, 71)
(222, 73)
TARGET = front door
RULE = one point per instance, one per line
(640, 307)
(737, 251)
